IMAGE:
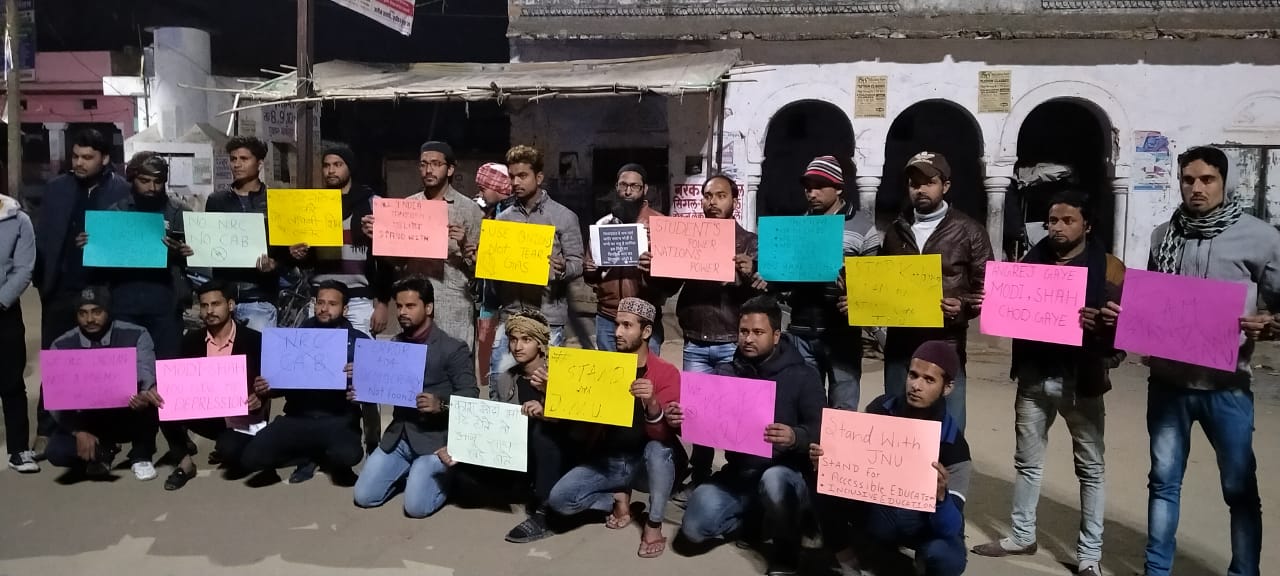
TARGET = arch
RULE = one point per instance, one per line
(764, 112)
(945, 127)
(1096, 98)
(797, 133)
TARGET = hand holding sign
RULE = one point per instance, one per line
(119, 239)
(312, 217)
(225, 240)
(198, 388)
(1181, 318)
(411, 228)
(894, 290)
(515, 252)
(615, 245)
(801, 248)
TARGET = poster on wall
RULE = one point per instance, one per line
(994, 91)
(1152, 163)
(871, 94)
(394, 14)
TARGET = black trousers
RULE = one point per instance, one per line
(58, 315)
(333, 441)
(13, 388)
(229, 444)
(166, 335)
(112, 426)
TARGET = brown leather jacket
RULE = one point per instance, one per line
(614, 284)
(965, 250)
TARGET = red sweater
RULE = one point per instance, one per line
(666, 389)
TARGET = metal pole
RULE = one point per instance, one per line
(305, 122)
(13, 99)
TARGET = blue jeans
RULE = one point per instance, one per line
(592, 486)
(895, 384)
(890, 528)
(838, 359)
(426, 479)
(1226, 416)
(502, 359)
(256, 315)
(703, 357)
(605, 340)
(716, 508)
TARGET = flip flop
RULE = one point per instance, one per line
(616, 523)
(652, 549)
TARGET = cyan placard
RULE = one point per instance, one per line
(119, 239)
(801, 248)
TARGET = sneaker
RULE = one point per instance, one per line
(303, 472)
(533, 528)
(1004, 547)
(143, 470)
(1089, 571)
(24, 462)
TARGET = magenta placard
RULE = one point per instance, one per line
(726, 412)
(88, 379)
(1192, 320)
(1034, 302)
(197, 388)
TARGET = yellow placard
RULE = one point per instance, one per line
(515, 252)
(904, 291)
(590, 386)
(296, 216)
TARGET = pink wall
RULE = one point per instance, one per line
(64, 80)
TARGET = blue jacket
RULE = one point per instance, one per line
(59, 223)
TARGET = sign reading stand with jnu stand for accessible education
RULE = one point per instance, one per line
(884, 460)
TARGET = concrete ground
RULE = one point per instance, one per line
(215, 526)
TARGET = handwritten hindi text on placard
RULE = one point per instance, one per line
(895, 290)
(488, 433)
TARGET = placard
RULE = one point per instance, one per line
(894, 290)
(388, 372)
(312, 217)
(198, 388)
(488, 433)
(801, 248)
(694, 249)
(590, 386)
(1181, 318)
(305, 358)
(88, 379)
(880, 459)
(225, 239)
(515, 252)
(614, 245)
(411, 228)
(726, 412)
(120, 239)
(1034, 302)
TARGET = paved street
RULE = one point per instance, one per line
(215, 526)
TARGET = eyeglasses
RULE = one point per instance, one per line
(625, 187)
(434, 164)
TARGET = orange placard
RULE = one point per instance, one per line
(879, 459)
(692, 248)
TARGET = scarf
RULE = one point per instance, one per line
(1183, 225)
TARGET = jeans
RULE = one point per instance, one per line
(838, 358)
(1036, 406)
(426, 480)
(502, 359)
(889, 528)
(605, 340)
(333, 441)
(716, 508)
(591, 486)
(359, 313)
(1226, 416)
(895, 384)
(703, 357)
(13, 387)
(257, 315)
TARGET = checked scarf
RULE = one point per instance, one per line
(1184, 225)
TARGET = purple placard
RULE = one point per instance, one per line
(726, 412)
(1181, 318)
(88, 379)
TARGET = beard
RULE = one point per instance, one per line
(627, 211)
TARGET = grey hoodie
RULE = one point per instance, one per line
(17, 251)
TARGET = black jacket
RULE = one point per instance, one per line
(248, 343)
(60, 221)
(250, 284)
(450, 371)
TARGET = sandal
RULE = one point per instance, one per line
(652, 549)
(617, 523)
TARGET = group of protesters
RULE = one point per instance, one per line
(497, 336)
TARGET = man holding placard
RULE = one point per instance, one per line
(87, 440)
(935, 227)
(613, 283)
(603, 483)
(1208, 237)
(1062, 379)
(413, 447)
(776, 486)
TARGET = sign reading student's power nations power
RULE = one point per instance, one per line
(693, 249)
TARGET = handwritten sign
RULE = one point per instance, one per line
(488, 433)
(879, 459)
(618, 244)
(119, 239)
(590, 386)
(197, 388)
(225, 240)
(312, 217)
(726, 412)
(515, 252)
(692, 248)
(305, 358)
(389, 372)
(1181, 318)
(894, 290)
(1034, 302)
(801, 248)
(88, 379)
(411, 228)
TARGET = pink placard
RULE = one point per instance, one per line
(196, 388)
(410, 228)
(880, 459)
(1034, 302)
(726, 412)
(1192, 320)
(690, 248)
(88, 379)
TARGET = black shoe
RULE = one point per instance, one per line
(303, 472)
(533, 528)
(178, 479)
(783, 564)
(215, 459)
(343, 477)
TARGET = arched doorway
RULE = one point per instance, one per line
(1064, 143)
(798, 133)
(936, 126)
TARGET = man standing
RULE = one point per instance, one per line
(414, 446)
(934, 227)
(604, 482)
(1055, 379)
(350, 263)
(17, 262)
(1209, 236)
(494, 183)
(616, 283)
(60, 241)
(256, 289)
(820, 331)
(776, 486)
